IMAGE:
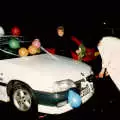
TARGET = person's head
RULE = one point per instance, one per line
(60, 31)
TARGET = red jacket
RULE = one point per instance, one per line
(89, 51)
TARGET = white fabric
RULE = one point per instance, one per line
(109, 49)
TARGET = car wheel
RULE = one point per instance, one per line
(23, 100)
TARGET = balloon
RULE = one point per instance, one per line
(36, 43)
(23, 52)
(74, 99)
(1, 31)
(14, 43)
(38, 50)
(32, 50)
(15, 31)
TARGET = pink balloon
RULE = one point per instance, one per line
(36, 43)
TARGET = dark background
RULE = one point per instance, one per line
(82, 19)
(40, 18)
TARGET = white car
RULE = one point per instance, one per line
(42, 81)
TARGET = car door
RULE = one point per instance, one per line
(4, 75)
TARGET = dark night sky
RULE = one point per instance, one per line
(41, 19)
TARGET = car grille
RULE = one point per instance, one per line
(85, 91)
(82, 90)
(91, 78)
(78, 84)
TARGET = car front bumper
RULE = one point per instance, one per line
(54, 109)
(52, 103)
(59, 110)
(57, 103)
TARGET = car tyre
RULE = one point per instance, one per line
(23, 100)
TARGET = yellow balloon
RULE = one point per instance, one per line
(23, 52)
(96, 53)
(32, 50)
(38, 50)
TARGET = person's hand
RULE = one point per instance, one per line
(106, 74)
(101, 74)
(78, 51)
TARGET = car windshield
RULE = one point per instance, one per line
(6, 52)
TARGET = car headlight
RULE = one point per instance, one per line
(63, 85)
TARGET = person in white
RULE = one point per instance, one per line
(109, 49)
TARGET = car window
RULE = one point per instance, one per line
(8, 53)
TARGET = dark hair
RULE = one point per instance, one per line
(60, 28)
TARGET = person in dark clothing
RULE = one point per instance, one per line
(62, 43)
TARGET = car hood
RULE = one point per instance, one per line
(51, 68)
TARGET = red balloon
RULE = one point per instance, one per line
(15, 31)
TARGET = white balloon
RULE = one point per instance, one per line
(2, 32)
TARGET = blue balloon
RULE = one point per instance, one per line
(74, 99)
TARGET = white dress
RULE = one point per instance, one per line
(109, 49)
